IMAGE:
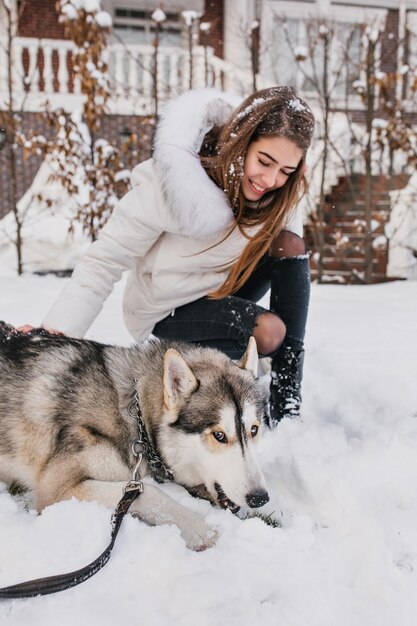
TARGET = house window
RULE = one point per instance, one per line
(292, 28)
(300, 39)
(134, 26)
(283, 64)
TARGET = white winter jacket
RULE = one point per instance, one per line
(162, 231)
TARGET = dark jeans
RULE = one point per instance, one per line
(228, 323)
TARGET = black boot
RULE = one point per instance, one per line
(290, 295)
(285, 389)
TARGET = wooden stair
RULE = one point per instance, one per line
(345, 230)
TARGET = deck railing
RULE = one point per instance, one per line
(42, 71)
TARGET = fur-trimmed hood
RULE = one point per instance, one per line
(196, 204)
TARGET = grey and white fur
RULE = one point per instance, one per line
(65, 429)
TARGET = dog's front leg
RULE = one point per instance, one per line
(153, 506)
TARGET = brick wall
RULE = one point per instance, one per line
(25, 168)
(214, 13)
(389, 42)
(112, 129)
(40, 19)
(389, 55)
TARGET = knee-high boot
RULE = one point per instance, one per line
(290, 296)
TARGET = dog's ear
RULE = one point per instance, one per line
(179, 381)
(249, 360)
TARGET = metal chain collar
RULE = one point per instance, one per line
(143, 445)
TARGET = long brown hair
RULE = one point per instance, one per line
(273, 112)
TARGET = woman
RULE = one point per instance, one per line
(208, 227)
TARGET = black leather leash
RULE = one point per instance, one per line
(53, 584)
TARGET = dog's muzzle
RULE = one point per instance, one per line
(254, 499)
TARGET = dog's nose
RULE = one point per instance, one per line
(257, 498)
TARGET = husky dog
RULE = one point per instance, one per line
(66, 426)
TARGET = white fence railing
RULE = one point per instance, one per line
(41, 72)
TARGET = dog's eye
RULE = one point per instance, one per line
(254, 430)
(220, 436)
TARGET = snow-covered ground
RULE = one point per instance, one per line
(343, 483)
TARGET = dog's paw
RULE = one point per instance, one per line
(197, 535)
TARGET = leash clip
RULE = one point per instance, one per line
(134, 484)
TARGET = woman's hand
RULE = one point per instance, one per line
(27, 328)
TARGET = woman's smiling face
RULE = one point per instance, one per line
(268, 164)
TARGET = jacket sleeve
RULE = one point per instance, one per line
(131, 231)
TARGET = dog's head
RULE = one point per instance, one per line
(212, 421)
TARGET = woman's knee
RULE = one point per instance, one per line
(269, 333)
(287, 244)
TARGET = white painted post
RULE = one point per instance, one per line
(33, 75)
(184, 70)
(199, 69)
(173, 69)
(47, 69)
(119, 74)
(147, 75)
(63, 76)
(132, 76)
